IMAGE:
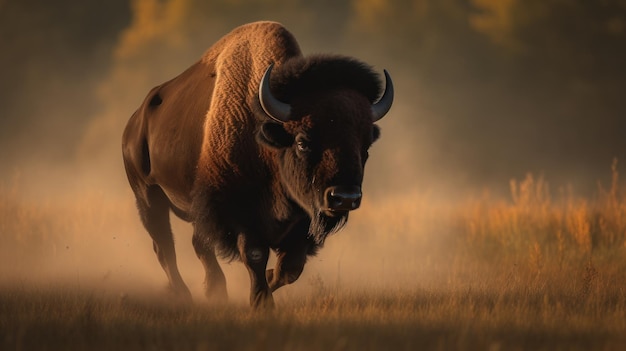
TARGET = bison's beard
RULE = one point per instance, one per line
(322, 225)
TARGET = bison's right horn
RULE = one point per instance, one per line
(380, 109)
(275, 109)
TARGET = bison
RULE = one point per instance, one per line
(260, 148)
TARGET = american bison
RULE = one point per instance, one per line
(260, 148)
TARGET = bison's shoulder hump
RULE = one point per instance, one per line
(263, 36)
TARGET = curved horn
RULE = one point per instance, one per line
(380, 108)
(275, 109)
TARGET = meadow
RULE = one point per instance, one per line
(538, 269)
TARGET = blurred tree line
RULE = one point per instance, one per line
(515, 86)
(52, 57)
(487, 89)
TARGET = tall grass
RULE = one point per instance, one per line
(559, 230)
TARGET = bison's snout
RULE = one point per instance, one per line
(342, 198)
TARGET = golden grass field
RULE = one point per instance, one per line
(539, 270)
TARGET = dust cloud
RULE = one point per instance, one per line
(482, 98)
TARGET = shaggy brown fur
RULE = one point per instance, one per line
(201, 146)
(301, 76)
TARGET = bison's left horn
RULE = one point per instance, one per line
(275, 109)
(380, 109)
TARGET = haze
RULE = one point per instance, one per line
(487, 90)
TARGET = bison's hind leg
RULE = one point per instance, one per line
(154, 212)
(214, 279)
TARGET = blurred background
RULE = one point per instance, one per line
(488, 90)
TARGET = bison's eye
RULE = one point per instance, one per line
(303, 144)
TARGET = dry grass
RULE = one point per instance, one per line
(535, 271)
(343, 321)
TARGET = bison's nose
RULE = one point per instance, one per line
(342, 198)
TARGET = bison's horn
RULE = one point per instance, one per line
(275, 109)
(380, 109)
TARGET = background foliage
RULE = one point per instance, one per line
(488, 89)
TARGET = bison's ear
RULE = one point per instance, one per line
(274, 135)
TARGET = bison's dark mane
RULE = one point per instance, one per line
(300, 76)
(322, 226)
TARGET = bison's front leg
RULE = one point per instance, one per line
(291, 256)
(288, 269)
(254, 256)
(289, 266)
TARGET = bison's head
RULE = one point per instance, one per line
(321, 121)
